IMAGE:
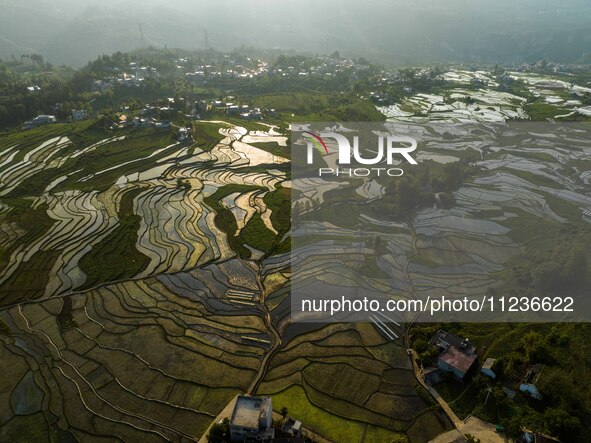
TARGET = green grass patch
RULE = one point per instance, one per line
(207, 135)
(225, 220)
(116, 257)
(256, 234)
(279, 201)
(539, 111)
(427, 425)
(29, 279)
(274, 148)
(328, 425)
(318, 106)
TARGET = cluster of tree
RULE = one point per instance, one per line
(403, 83)
(422, 80)
(219, 432)
(30, 87)
(34, 58)
(559, 411)
(560, 270)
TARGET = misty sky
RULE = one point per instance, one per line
(395, 32)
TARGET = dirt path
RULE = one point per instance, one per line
(454, 419)
(473, 426)
(438, 398)
(276, 339)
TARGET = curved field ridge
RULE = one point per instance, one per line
(152, 198)
(345, 381)
(147, 360)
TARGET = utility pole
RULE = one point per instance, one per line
(489, 390)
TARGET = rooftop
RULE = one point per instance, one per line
(444, 339)
(292, 425)
(488, 363)
(458, 359)
(249, 410)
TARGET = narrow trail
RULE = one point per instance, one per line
(276, 340)
(411, 285)
(417, 371)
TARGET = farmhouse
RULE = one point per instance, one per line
(40, 120)
(142, 122)
(487, 368)
(457, 355)
(252, 419)
(184, 135)
(528, 383)
(292, 427)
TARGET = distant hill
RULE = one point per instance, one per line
(393, 32)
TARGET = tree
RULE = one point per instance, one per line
(420, 344)
(534, 347)
(547, 277)
(560, 423)
(218, 432)
(36, 58)
(20, 111)
(3, 115)
(283, 411)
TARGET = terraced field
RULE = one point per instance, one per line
(348, 382)
(478, 96)
(137, 187)
(153, 359)
(522, 174)
(145, 282)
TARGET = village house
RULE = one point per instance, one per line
(528, 383)
(101, 85)
(292, 427)
(184, 135)
(139, 122)
(252, 419)
(40, 120)
(487, 368)
(537, 437)
(457, 355)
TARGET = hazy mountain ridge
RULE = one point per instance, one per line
(391, 32)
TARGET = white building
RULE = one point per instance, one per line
(252, 418)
